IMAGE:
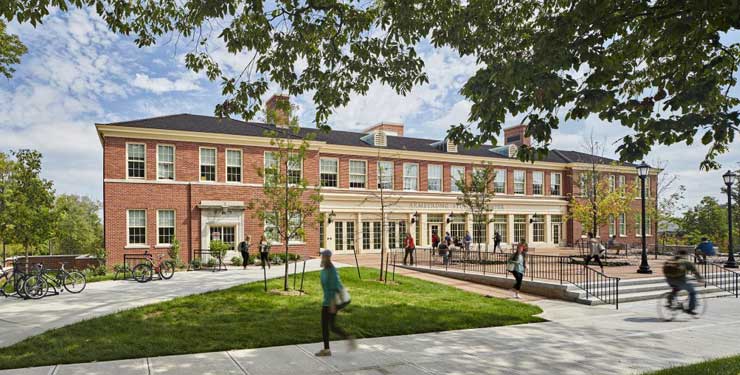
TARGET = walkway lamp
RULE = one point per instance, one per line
(729, 178)
(642, 171)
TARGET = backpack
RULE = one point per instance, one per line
(673, 269)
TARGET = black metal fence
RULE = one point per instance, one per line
(199, 255)
(719, 276)
(564, 269)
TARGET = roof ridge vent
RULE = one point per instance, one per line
(376, 138)
(508, 151)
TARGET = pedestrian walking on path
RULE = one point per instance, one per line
(264, 252)
(596, 249)
(335, 299)
(409, 247)
(517, 264)
(435, 242)
(497, 242)
(244, 250)
(467, 240)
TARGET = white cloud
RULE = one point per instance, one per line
(159, 85)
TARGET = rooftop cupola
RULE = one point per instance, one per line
(517, 135)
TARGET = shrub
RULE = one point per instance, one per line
(211, 262)
(120, 268)
(95, 271)
(174, 251)
(252, 259)
(236, 261)
(196, 264)
(280, 258)
(219, 248)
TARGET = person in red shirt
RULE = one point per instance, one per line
(435, 242)
(409, 248)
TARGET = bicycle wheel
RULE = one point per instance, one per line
(35, 287)
(75, 282)
(667, 310)
(167, 269)
(700, 309)
(142, 273)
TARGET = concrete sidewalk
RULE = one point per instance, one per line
(577, 340)
(24, 318)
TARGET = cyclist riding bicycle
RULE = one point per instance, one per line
(675, 271)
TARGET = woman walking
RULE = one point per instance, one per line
(517, 264)
(331, 286)
(409, 247)
(264, 248)
(244, 250)
(596, 249)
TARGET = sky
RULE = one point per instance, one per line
(77, 73)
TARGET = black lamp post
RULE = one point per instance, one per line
(642, 171)
(729, 178)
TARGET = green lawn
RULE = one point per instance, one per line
(722, 366)
(246, 317)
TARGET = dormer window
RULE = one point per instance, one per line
(376, 138)
(451, 146)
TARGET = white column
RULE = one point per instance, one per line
(384, 236)
(358, 233)
(445, 227)
(329, 233)
(548, 231)
(489, 230)
(424, 241)
(469, 223)
(412, 227)
(510, 225)
(529, 228)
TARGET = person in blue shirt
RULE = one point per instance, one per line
(331, 285)
(703, 249)
(467, 240)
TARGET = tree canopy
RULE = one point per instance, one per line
(11, 50)
(660, 68)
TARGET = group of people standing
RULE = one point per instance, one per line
(263, 247)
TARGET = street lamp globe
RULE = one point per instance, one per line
(729, 178)
(643, 169)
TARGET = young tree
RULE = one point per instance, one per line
(288, 205)
(706, 219)
(31, 202)
(78, 228)
(385, 201)
(477, 194)
(588, 180)
(607, 204)
(7, 165)
(668, 203)
(652, 66)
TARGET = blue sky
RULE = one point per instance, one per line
(77, 73)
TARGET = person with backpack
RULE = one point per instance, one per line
(335, 299)
(264, 248)
(444, 252)
(675, 271)
(497, 242)
(435, 242)
(244, 250)
(448, 239)
(517, 264)
(703, 249)
(596, 249)
(409, 247)
(467, 240)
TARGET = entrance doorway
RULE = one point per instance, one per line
(434, 228)
(224, 234)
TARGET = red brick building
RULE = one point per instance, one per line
(192, 177)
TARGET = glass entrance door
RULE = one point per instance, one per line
(431, 229)
(556, 233)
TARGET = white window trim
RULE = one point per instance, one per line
(128, 226)
(453, 186)
(174, 218)
(215, 164)
(136, 178)
(226, 166)
(337, 174)
(349, 174)
(494, 180)
(622, 224)
(524, 183)
(174, 161)
(404, 176)
(441, 176)
(393, 173)
(543, 183)
(622, 181)
(560, 184)
(288, 168)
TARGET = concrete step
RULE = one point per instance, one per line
(638, 294)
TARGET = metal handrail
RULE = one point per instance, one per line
(549, 267)
(719, 276)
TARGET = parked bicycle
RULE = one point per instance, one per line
(144, 272)
(12, 281)
(38, 285)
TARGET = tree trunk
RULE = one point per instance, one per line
(382, 236)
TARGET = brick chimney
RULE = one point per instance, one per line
(279, 105)
(516, 135)
(390, 128)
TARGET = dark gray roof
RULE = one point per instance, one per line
(209, 124)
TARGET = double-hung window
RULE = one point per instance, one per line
(538, 183)
(136, 227)
(621, 182)
(520, 180)
(135, 160)
(622, 224)
(555, 183)
(458, 174)
(612, 182)
(233, 166)
(165, 227)
(385, 175)
(295, 169)
(612, 226)
(499, 181)
(165, 162)
(434, 177)
(208, 164)
(357, 174)
(271, 166)
(329, 170)
(410, 176)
